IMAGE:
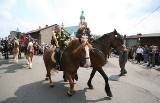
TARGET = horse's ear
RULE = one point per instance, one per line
(115, 31)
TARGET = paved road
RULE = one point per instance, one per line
(18, 84)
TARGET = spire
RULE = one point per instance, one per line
(62, 24)
(82, 17)
(17, 29)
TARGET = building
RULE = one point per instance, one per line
(143, 39)
(16, 34)
(43, 35)
(150, 39)
(132, 40)
(72, 30)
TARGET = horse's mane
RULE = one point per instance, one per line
(16, 43)
(30, 44)
(106, 36)
(76, 45)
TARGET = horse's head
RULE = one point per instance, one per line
(81, 50)
(117, 40)
(16, 43)
(24, 39)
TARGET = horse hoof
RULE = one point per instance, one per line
(46, 78)
(51, 85)
(69, 93)
(90, 86)
(109, 94)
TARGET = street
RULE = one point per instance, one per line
(19, 84)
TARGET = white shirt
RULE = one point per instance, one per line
(139, 50)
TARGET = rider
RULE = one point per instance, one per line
(84, 31)
(59, 37)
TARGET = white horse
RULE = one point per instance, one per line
(15, 51)
(29, 54)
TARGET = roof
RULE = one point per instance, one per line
(151, 35)
(71, 29)
(37, 30)
(132, 36)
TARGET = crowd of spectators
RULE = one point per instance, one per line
(146, 54)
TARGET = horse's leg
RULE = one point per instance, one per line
(27, 58)
(71, 83)
(107, 88)
(90, 79)
(13, 58)
(75, 77)
(64, 77)
(16, 57)
(31, 61)
(49, 76)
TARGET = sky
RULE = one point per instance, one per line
(128, 17)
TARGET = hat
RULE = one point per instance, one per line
(57, 26)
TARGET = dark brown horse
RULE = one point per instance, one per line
(100, 54)
(72, 56)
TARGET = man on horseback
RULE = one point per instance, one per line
(58, 39)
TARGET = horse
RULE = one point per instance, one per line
(29, 54)
(28, 48)
(24, 42)
(15, 51)
(76, 51)
(100, 54)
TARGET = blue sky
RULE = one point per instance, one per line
(102, 16)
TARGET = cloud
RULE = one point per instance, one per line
(7, 4)
(5, 14)
(102, 16)
(42, 7)
(26, 25)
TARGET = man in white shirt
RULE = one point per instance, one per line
(139, 52)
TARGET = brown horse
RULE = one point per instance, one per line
(100, 54)
(72, 56)
(75, 55)
(15, 51)
(29, 54)
(28, 49)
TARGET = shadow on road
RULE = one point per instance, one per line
(158, 69)
(40, 92)
(13, 67)
(114, 78)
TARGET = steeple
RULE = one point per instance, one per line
(62, 25)
(82, 17)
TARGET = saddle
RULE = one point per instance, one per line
(57, 56)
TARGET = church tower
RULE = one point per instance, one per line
(82, 17)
